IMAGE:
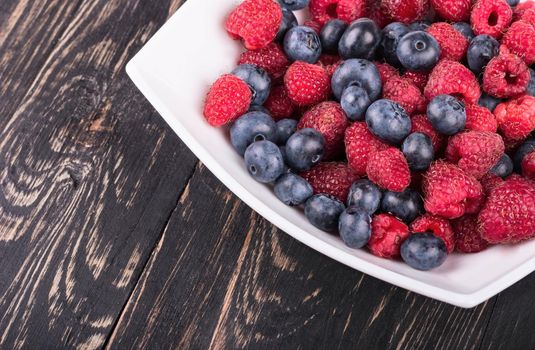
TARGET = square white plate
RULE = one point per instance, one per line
(174, 71)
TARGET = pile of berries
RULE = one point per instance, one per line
(406, 127)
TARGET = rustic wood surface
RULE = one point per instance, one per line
(110, 235)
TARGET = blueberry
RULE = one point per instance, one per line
(504, 167)
(257, 108)
(285, 129)
(531, 86)
(366, 195)
(406, 205)
(423, 251)
(357, 72)
(360, 40)
(388, 120)
(391, 35)
(419, 26)
(355, 101)
(304, 149)
(513, 3)
(288, 21)
(465, 29)
(330, 35)
(251, 127)
(292, 189)
(258, 80)
(489, 102)
(264, 161)
(418, 149)
(447, 114)
(323, 211)
(418, 51)
(355, 227)
(481, 50)
(302, 44)
(527, 147)
(294, 5)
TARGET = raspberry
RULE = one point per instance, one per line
(360, 144)
(256, 22)
(522, 8)
(333, 178)
(279, 104)
(449, 190)
(520, 40)
(507, 216)
(405, 11)
(529, 16)
(330, 120)
(228, 98)
(467, 235)
(475, 152)
(389, 169)
(406, 94)
(479, 118)
(323, 11)
(528, 166)
(420, 123)
(489, 181)
(307, 84)
(329, 60)
(452, 10)
(270, 58)
(376, 13)
(453, 44)
(388, 233)
(386, 71)
(439, 226)
(506, 75)
(452, 78)
(516, 118)
(314, 25)
(491, 17)
(419, 79)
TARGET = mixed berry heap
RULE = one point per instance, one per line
(406, 127)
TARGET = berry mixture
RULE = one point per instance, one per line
(406, 128)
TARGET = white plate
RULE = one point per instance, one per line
(174, 71)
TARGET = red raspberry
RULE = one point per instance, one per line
(489, 181)
(506, 75)
(376, 13)
(528, 166)
(452, 10)
(453, 44)
(406, 94)
(467, 235)
(520, 40)
(507, 216)
(389, 169)
(256, 22)
(474, 206)
(419, 79)
(279, 104)
(405, 11)
(360, 144)
(516, 118)
(439, 226)
(330, 120)
(452, 78)
(475, 152)
(420, 123)
(314, 25)
(307, 84)
(529, 16)
(448, 190)
(479, 118)
(386, 71)
(388, 233)
(323, 11)
(333, 178)
(228, 98)
(522, 8)
(329, 60)
(270, 58)
(491, 17)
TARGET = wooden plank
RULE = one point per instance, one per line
(89, 173)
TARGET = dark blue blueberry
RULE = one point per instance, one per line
(489, 101)
(330, 35)
(264, 161)
(419, 26)
(366, 195)
(304, 149)
(391, 35)
(388, 121)
(527, 147)
(258, 80)
(285, 129)
(251, 127)
(292, 189)
(257, 108)
(513, 3)
(423, 251)
(323, 211)
(360, 40)
(531, 86)
(355, 227)
(418, 149)
(288, 21)
(465, 29)
(294, 5)
(504, 167)
(481, 50)
(418, 51)
(355, 101)
(302, 44)
(447, 114)
(357, 72)
(406, 205)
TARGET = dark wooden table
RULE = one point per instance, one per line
(112, 234)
